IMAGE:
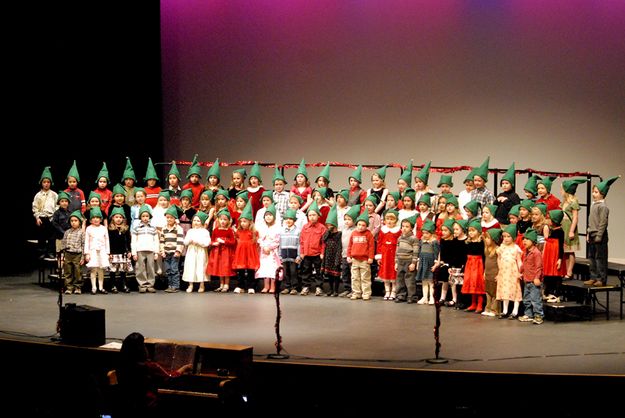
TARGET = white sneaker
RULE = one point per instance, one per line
(393, 296)
(225, 288)
(219, 289)
(488, 313)
(318, 292)
(304, 291)
(237, 290)
(250, 291)
(431, 302)
(422, 301)
(387, 295)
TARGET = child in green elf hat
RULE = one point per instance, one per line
(323, 180)
(280, 196)
(301, 186)
(320, 196)
(44, 206)
(106, 195)
(421, 183)
(349, 226)
(457, 259)
(129, 179)
(247, 253)
(173, 184)
(508, 197)
(289, 253)
(139, 200)
(295, 203)
(341, 207)
(206, 206)
(385, 253)
(553, 256)
(408, 207)
(544, 193)
(492, 237)
(379, 189)
(222, 250)
(360, 253)
(213, 180)
(119, 201)
(570, 207)
(444, 185)
(93, 202)
(196, 243)
(152, 190)
(532, 273)
(530, 189)
(480, 192)
(269, 243)
(404, 182)
(424, 214)
(255, 188)
(187, 212)
(171, 249)
(375, 221)
(509, 275)
(73, 245)
(331, 262)
(474, 269)
(97, 249)
(121, 254)
(539, 224)
(267, 202)
(237, 182)
(406, 260)
(311, 251)
(464, 196)
(597, 233)
(60, 219)
(357, 195)
(194, 176)
(76, 195)
(144, 245)
(392, 201)
(236, 209)
(428, 254)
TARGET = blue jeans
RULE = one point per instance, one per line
(171, 264)
(532, 300)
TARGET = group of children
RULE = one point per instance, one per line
(493, 249)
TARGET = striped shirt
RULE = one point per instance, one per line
(281, 200)
(289, 243)
(144, 238)
(172, 239)
(483, 195)
(407, 248)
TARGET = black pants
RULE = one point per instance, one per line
(598, 255)
(246, 278)
(291, 278)
(346, 274)
(552, 285)
(45, 238)
(118, 280)
(310, 271)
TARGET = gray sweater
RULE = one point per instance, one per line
(598, 220)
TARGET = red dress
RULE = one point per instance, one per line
(387, 246)
(324, 209)
(220, 259)
(106, 198)
(552, 252)
(474, 269)
(197, 190)
(255, 198)
(420, 222)
(551, 201)
(246, 255)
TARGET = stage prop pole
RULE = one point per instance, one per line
(437, 324)
(278, 355)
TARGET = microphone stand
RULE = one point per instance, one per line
(437, 324)
(278, 355)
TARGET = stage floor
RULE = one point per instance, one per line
(327, 330)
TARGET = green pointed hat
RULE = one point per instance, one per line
(469, 176)
(302, 169)
(129, 172)
(194, 168)
(173, 211)
(514, 211)
(267, 193)
(381, 172)
(290, 214)
(495, 234)
(255, 172)
(363, 217)
(512, 230)
(473, 206)
(214, 170)
(482, 171)
(220, 192)
(426, 199)
(208, 193)
(556, 216)
(77, 214)
(542, 207)
(104, 172)
(353, 212)
(166, 194)
(509, 176)
(344, 194)
(453, 200)
(241, 171)
(411, 193)
(271, 209)
(412, 219)
(393, 212)
(314, 208)
(150, 172)
(277, 175)
(95, 213)
(531, 184)
(449, 224)
(323, 191)
(119, 189)
(475, 223)
(357, 174)
(332, 218)
(492, 209)
(46, 174)
(139, 189)
(94, 195)
(247, 212)
(373, 199)
(325, 173)
(202, 215)
(428, 226)
(527, 204)
(173, 170)
(445, 179)
(406, 175)
(463, 223)
(117, 211)
(73, 172)
(224, 212)
(298, 197)
(145, 208)
(547, 182)
(604, 186)
(243, 195)
(531, 235)
(188, 193)
(395, 195)
(63, 195)
(424, 173)
(570, 186)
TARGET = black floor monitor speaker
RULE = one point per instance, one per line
(82, 325)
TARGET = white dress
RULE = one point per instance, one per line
(97, 246)
(269, 263)
(196, 242)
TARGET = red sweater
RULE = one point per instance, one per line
(361, 245)
(197, 190)
(311, 239)
(532, 267)
(151, 195)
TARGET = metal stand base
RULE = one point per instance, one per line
(278, 356)
(437, 360)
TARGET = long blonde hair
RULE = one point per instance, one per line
(489, 249)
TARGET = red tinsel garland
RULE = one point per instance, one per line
(444, 170)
